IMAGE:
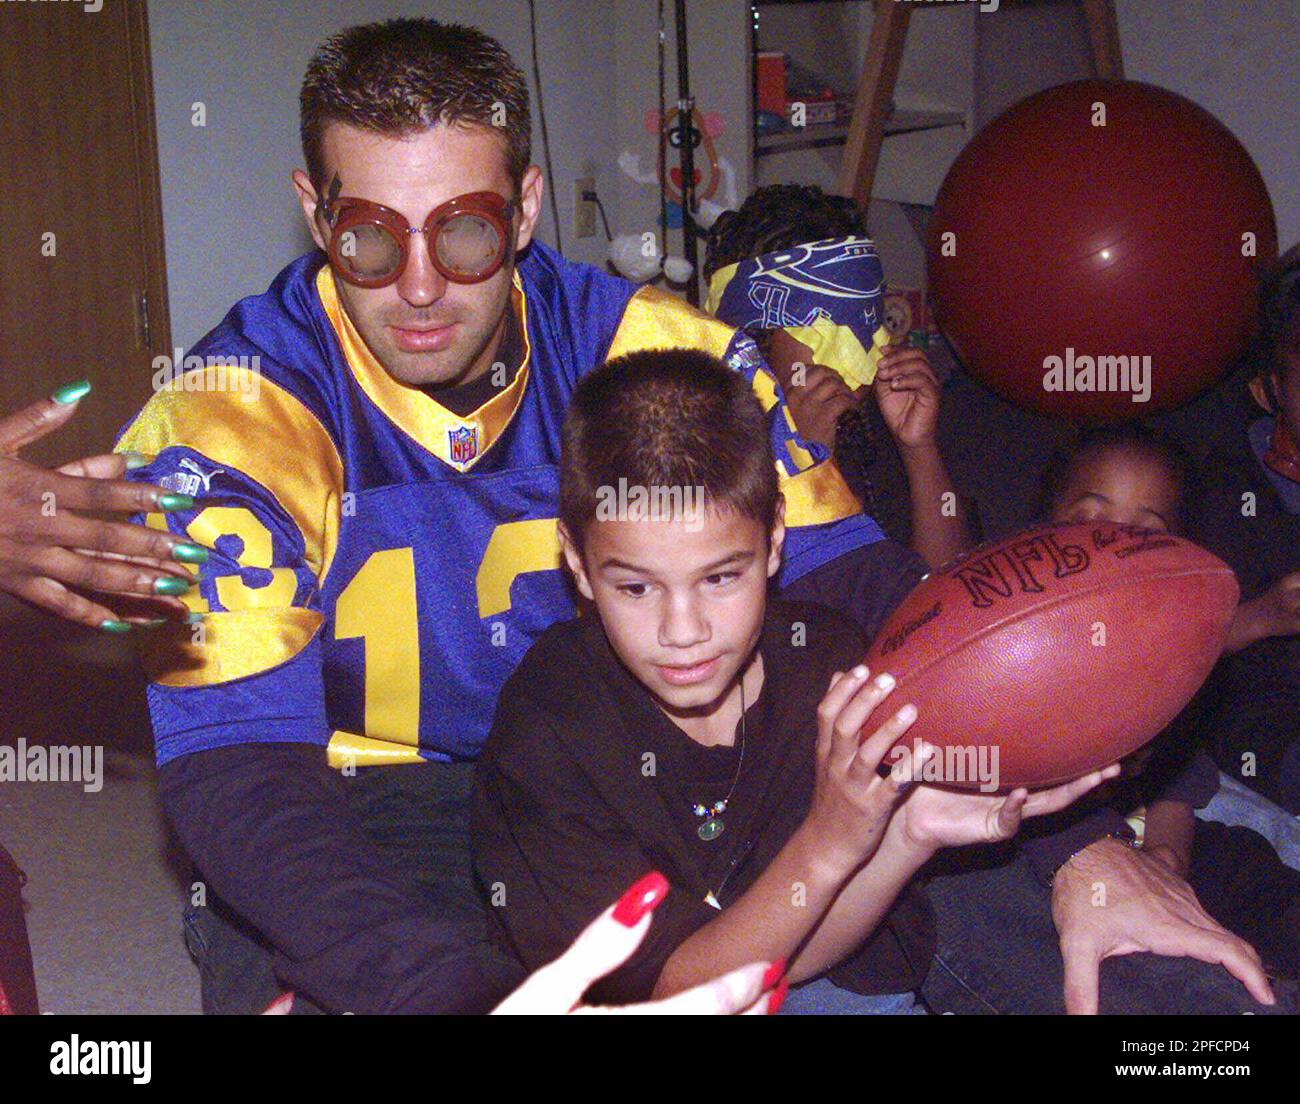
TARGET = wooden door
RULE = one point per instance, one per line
(82, 276)
(78, 161)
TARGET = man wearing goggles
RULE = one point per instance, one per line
(382, 530)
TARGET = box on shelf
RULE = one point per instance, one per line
(770, 81)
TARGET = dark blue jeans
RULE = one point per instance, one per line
(419, 817)
(998, 952)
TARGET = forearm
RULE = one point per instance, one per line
(769, 921)
(1249, 624)
(939, 529)
(275, 837)
(858, 908)
(1047, 850)
(1170, 826)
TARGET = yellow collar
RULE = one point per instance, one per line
(458, 442)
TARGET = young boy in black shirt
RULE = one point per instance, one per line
(694, 727)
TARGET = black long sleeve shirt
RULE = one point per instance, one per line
(584, 785)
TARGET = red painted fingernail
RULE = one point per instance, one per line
(777, 998)
(280, 1006)
(775, 972)
(640, 899)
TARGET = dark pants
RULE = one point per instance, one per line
(418, 815)
(998, 952)
(17, 980)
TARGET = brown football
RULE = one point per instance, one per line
(1054, 652)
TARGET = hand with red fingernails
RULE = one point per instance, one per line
(609, 941)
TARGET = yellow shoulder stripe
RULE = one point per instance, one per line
(272, 438)
(226, 646)
(817, 496)
(656, 319)
(350, 749)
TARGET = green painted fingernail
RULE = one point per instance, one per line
(171, 585)
(195, 618)
(109, 625)
(173, 502)
(70, 393)
(137, 460)
(190, 553)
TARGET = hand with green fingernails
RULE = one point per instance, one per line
(50, 518)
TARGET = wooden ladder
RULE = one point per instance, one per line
(874, 101)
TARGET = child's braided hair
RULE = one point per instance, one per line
(778, 217)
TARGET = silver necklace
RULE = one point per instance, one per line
(713, 825)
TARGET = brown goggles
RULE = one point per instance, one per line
(468, 238)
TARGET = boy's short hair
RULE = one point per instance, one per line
(663, 420)
(403, 76)
(1095, 441)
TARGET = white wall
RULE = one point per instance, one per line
(1239, 61)
(230, 217)
(245, 58)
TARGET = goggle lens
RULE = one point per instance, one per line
(467, 244)
(369, 252)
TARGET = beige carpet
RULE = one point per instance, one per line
(104, 893)
(105, 887)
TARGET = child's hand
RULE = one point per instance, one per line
(852, 803)
(930, 817)
(1276, 612)
(907, 391)
(817, 403)
(1280, 605)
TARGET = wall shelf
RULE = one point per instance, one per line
(901, 121)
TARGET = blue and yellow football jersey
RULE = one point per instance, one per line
(380, 564)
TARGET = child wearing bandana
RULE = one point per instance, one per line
(794, 268)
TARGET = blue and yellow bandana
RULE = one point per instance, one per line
(826, 294)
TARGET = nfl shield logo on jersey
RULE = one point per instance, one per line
(463, 444)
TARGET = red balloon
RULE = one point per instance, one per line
(1100, 219)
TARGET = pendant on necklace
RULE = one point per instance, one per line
(713, 827)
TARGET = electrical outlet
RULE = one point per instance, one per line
(584, 210)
